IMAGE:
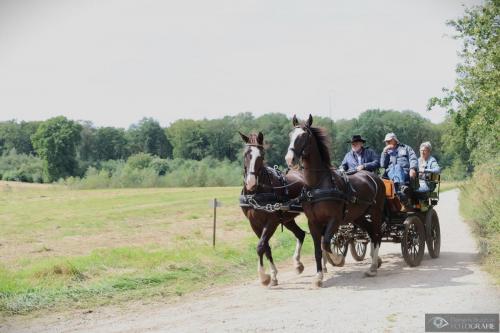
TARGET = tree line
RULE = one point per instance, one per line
(61, 148)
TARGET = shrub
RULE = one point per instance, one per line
(21, 167)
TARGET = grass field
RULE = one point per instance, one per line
(63, 248)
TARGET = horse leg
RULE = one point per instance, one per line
(274, 270)
(330, 230)
(324, 269)
(375, 238)
(372, 271)
(316, 236)
(300, 235)
(262, 248)
(327, 238)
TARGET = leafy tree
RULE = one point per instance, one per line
(275, 127)
(147, 136)
(473, 104)
(222, 139)
(188, 139)
(110, 144)
(14, 135)
(87, 144)
(55, 142)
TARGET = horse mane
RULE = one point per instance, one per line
(323, 140)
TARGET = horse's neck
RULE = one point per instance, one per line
(316, 171)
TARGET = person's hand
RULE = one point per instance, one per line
(386, 148)
(360, 167)
(413, 173)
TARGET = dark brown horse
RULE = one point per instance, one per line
(263, 183)
(332, 199)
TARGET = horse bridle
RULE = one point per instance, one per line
(299, 156)
(245, 174)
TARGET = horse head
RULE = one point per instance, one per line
(253, 159)
(299, 141)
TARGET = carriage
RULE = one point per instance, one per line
(330, 200)
(411, 229)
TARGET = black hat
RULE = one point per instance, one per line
(356, 138)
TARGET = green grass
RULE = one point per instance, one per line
(77, 249)
(480, 206)
(450, 185)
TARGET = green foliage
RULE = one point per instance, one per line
(139, 161)
(16, 136)
(473, 104)
(21, 167)
(143, 170)
(480, 204)
(87, 145)
(481, 196)
(218, 139)
(55, 142)
(147, 136)
(188, 139)
(410, 128)
(456, 171)
(110, 144)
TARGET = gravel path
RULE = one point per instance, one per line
(394, 301)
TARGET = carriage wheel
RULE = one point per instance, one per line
(413, 242)
(358, 250)
(339, 251)
(433, 234)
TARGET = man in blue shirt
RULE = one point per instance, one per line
(399, 160)
(401, 164)
(360, 158)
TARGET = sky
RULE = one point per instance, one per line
(115, 62)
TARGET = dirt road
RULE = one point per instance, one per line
(394, 301)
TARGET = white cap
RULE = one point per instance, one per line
(390, 136)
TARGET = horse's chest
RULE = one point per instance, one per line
(322, 211)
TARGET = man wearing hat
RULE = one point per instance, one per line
(360, 158)
(400, 163)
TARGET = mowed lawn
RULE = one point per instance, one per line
(64, 248)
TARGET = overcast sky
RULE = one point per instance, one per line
(114, 62)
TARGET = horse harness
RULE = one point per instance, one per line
(273, 202)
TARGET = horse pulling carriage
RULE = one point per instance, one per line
(341, 209)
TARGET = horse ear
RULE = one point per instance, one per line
(260, 138)
(244, 137)
(295, 122)
(309, 121)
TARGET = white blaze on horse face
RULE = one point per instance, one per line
(293, 137)
(251, 180)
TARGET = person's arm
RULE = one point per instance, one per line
(344, 165)
(384, 159)
(373, 160)
(412, 157)
(433, 166)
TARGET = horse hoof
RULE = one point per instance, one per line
(299, 269)
(379, 262)
(273, 283)
(317, 284)
(266, 281)
(370, 273)
(325, 270)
